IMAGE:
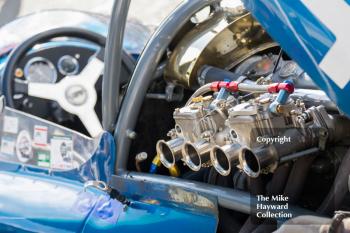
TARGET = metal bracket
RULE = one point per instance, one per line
(2, 104)
(323, 136)
(100, 185)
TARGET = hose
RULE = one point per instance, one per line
(209, 74)
(199, 92)
(279, 179)
(297, 178)
(256, 187)
(339, 188)
(269, 225)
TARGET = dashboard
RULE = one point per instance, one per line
(50, 62)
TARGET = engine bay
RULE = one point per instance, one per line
(253, 122)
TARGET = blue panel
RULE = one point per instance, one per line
(47, 204)
(303, 37)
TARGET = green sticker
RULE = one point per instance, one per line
(44, 158)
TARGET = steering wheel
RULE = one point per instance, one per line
(76, 94)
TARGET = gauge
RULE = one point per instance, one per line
(40, 70)
(289, 69)
(68, 65)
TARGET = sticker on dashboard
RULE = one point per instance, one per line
(43, 158)
(40, 135)
(8, 146)
(10, 124)
(61, 153)
(24, 150)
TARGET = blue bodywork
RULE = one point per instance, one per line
(304, 38)
(33, 203)
(37, 200)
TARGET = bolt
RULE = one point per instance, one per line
(131, 134)
(141, 156)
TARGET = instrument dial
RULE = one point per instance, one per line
(68, 65)
(40, 70)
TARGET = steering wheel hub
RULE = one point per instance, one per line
(76, 95)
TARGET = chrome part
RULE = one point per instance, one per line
(248, 134)
(250, 163)
(141, 156)
(223, 158)
(100, 185)
(196, 154)
(170, 151)
(200, 125)
(224, 41)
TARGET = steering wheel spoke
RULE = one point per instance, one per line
(91, 122)
(92, 71)
(47, 91)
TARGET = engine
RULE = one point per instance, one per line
(252, 120)
(254, 127)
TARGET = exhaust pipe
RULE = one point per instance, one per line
(196, 154)
(170, 151)
(223, 158)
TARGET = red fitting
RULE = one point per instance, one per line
(276, 87)
(287, 87)
(273, 88)
(230, 86)
(233, 86)
(216, 86)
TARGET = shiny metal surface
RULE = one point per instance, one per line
(225, 157)
(170, 151)
(136, 182)
(223, 41)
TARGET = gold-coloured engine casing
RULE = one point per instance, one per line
(222, 41)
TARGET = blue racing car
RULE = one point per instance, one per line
(231, 118)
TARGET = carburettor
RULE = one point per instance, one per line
(224, 130)
(200, 125)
